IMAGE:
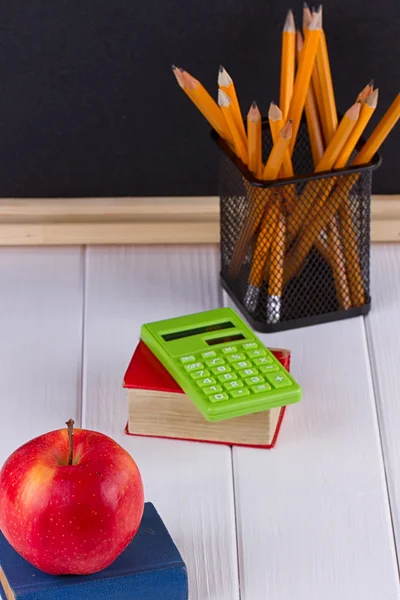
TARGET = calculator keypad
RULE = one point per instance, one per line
(213, 362)
(242, 364)
(227, 377)
(188, 359)
(206, 381)
(208, 354)
(229, 349)
(263, 360)
(235, 372)
(212, 389)
(235, 357)
(221, 369)
(194, 366)
(201, 373)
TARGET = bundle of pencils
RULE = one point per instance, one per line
(282, 226)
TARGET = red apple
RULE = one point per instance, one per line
(70, 501)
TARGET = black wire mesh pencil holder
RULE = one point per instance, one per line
(295, 252)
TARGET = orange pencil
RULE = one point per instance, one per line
(203, 101)
(226, 84)
(330, 120)
(303, 77)
(287, 63)
(311, 109)
(254, 140)
(228, 112)
(379, 134)
(365, 92)
(315, 81)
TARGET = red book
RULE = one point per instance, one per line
(158, 407)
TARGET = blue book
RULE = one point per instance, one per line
(150, 568)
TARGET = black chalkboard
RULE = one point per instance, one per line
(89, 106)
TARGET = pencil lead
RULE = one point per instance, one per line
(274, 112)
(354, 111)
(224, 79)
(316, 22)
(174, 67)
(371, 83)
(223, 99)
(289, 23)
(307, 16)
(254, 104)
(372, 100)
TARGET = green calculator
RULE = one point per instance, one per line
(220, 364)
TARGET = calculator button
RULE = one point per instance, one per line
(262, 360)
(248, 372)
(227, 377)
(235, 357)
(201, 373)
(215, 361)
(242, 364)
(208, 354)
(213, 389)
(255, 379)
(218, 397)
(194, 366)
(266, 368)
(249, 345)
(221, 369)
(239, 393)
(206, 381)
(262, 387)
(188, 359)
(255, 353)
(233, 384)
(229, 349)
(279, 380)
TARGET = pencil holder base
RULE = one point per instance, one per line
(263, 327)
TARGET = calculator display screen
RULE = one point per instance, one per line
(176, 335)
(227, 338)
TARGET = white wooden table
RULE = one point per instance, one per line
(318, 517)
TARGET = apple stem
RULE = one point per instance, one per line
(70, 425)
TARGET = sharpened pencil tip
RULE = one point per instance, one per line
(223, 99)
(371, 83)
(224, 79)
(173, 67)
(254, 104)
(289, 23)
(372, 100)
(305, 5)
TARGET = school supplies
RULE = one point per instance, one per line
(158, 407)
(316, 210)
(221, 364)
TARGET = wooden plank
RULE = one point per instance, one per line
(112, 221)
(41, 342)
(46, 234)
(189, 483)
(383, 330)
(312, 514)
